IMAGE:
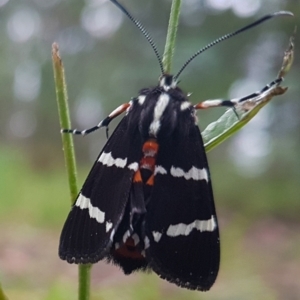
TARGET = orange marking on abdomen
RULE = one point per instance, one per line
(148, 160)
(147, 163)
(150, 148)
(129, 250)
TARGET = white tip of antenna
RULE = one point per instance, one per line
(283, 13)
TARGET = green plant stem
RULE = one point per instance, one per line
(84, 281)
(2, 295)
(171, 36)
(64, 119)
(69, 153)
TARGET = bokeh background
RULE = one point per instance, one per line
(256, 174)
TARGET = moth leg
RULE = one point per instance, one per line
(104, 123)
(233, 102)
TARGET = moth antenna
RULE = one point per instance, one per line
(139, 25)
(229, 35)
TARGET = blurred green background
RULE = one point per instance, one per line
(256, 174)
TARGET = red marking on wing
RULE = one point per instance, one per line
(137, 176)
(150, 181)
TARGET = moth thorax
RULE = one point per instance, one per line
(167, 82)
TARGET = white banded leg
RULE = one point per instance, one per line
(233, 102)
(104, 123)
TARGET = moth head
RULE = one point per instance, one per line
(167, 82)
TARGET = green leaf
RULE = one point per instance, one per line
(233, 120)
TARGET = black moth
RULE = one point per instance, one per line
(148, 203)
